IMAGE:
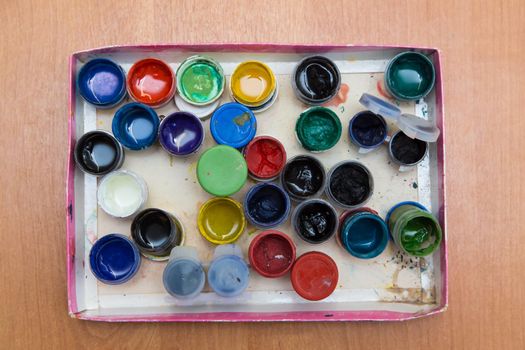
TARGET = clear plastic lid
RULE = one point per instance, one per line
(413, 126)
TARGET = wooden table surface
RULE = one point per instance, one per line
(483, 50)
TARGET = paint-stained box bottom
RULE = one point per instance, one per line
(392, 286)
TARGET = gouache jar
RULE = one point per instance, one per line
(233, 124)
(316, 80)
(318, 129)
(364, 235)
(151, 81)
(350, 184)
(122, 193)
(184, 276)
(222, 171)
(303, 177)
(367, 130)
(265, 157)
(102, 83)
(347, 214)
(266, 205)
(314, 221)
(314, 276)
(253, 84)
(410, 76)
(98, 153)
(272, 253)
(135, 126)
(156, 232)
(181, 134)
(200, 80)
(416, 231)
(228, 274)
(406, 151)
(221, 220)
(114, 259)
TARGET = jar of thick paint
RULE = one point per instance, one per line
(228, 274)
(265, 157)
(316, 80)
(266, 205)
(367, 130)
(156, 232)
(409, 146)
(318, 129)
(314, 221)
(410, 76)
(303, 177)
(135, 126)
(364, 234)
(114, 259)
(414, 229)
(314, 276)
(152, 82)
(102, 83)
(272, 253)
(200, 80)
(122, 193)
(221, 220)
(181, 134)
(184, 275)
(345, 215)
(98, 153)
(233, 124)
(350, 184)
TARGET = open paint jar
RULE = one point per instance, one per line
(200, 80)
(314, 276)
(102, 83)
(151, 81)
(316, 80)
(272, 253)
(221, 220)
(414, 229)
(228, 274)
(253, 84)
(266, 205)
(314, 221)
(345, 215)
(181, 134)
(135, 126)
(122, 193)
(114, 259)
(303, 177)
(233, 124)
(222, 171)
(156, 232)
(410, 76)
(364, 234)
(265, 157)
(98, 153)
(408, 147)
(318, 129)
(367, 130)
(350, 184)
(184, 275)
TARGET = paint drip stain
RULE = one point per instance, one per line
(382, 91)
(242, 119)
(340, 98)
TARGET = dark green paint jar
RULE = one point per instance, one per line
(410, 76)
(318, 129)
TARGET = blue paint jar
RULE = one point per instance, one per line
(184, 275)
(114, 259)
(135, 126)
(228, 274)
(266, 205)
(181, 134)
(367, 130)
(233, 124)
(102, 83)
(364, 235)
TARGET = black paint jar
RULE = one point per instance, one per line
(316, 80)
(98, 153)
(303, 177)
(405, 150)
(315, 221)
(350, 184)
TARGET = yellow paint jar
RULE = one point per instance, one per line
(252, 83)
(221, 220)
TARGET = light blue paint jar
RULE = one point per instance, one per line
(184, 275)
(228, 274)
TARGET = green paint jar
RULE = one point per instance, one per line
(318, 129)
(200, 80)
(414, 230)
(410, 76)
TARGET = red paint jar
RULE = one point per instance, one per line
(151, 81)
(271, 253)
(314, 276)
(265, 157)
(346, 215)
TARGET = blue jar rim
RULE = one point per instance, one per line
(122, 112)
(214, 125)
(118, 96)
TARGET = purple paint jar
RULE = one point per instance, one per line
(181, 134)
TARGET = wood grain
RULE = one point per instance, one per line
(482, 44)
